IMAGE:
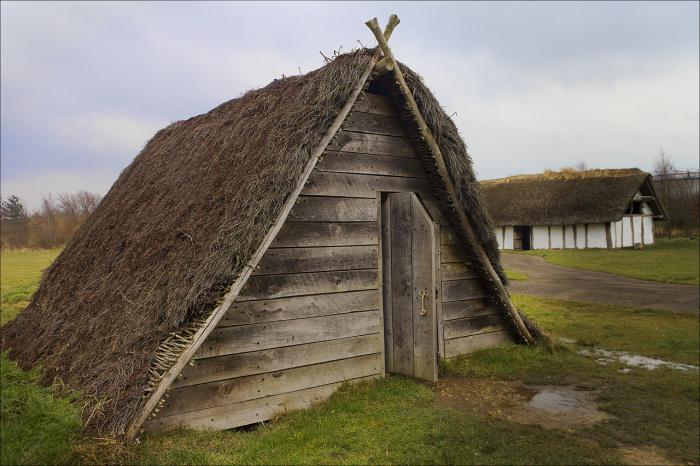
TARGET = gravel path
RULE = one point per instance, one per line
(554, 281)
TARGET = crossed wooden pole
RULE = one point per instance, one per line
(388, 63)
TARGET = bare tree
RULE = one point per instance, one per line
(580, 166)
(676, 193)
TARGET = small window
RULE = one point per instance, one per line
(635, 208)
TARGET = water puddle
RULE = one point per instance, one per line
(555, 407)
(633, 360)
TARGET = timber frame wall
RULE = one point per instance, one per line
(310, 317)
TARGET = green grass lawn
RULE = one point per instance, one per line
(515, 275)
(19, 277)
(398, 420)
(671, 261)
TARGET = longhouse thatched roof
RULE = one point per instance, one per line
(178, 225)
(566, 197)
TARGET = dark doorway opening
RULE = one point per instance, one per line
(521, 237)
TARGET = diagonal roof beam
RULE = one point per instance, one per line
(427, 136)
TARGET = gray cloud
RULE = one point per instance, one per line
(533, 85)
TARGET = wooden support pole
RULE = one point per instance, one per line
(427, 136)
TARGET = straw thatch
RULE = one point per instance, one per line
(566, 197)
(178, 225)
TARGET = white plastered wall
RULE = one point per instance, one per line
(580, 236)
(540, 237)
(637, 229)
(499, 236)
(569, 236)
(556, 235)
(597, 237)
(648, 230)
(508, 237)
(617, 228)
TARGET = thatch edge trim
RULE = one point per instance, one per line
(469, 235)
(211, 322)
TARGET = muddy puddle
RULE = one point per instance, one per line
(555, 407)
(633, 360)
(604, 356)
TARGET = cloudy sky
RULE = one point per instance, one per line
(531, 85)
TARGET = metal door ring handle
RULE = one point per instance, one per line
(423, 311)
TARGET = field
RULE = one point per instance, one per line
(469, 417)
(670, 261)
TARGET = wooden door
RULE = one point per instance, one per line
(409, 286)
(517, 238)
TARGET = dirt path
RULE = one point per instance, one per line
(554, 281)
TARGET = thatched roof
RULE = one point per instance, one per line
(566, 197)
(178, 225)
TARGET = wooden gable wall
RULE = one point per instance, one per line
(310, 318)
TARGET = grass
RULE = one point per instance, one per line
(36, 427)
(19, 276)
(515, 275)
(669, 260)
(397, 420)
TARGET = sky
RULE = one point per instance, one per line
(531, 86)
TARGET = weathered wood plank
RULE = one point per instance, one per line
(350, 141)
(448, 236)
(436, 213)
(298, 284)
(454, 253)
(240, 339)
(457, 271)
(457, 290)
(248, 412)
(277, 359)
(423, 243)
(475, 325)
(386, 283)
(469, 308)
(402, 283)
(319, 234)
(318, 259)
(373, 123)
(236, 390)
(299, 307)
(466, 345)
(374, 103)
(346, 162)
(366, 186)
(334, 209)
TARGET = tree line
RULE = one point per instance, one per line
(53, 224)
(679, 193)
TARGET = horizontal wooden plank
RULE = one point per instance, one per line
(367, 186)
(457, 271)
(346, 162)
(453, 253)
(317, 259)
(351, 141)
(475, 325)
(436, 212)
(224, 392)
(277, 359)
(374, 103)
(248, 412)
(373, 123)
(299, 307)
(312, 234)
(448, 236)
(457, 290)
(298, 284)
(469, 308)
(240, 339)
(466, 345)
(334, 209)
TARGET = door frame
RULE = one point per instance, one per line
(382, 211)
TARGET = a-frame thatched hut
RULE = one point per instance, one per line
(253, 258)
